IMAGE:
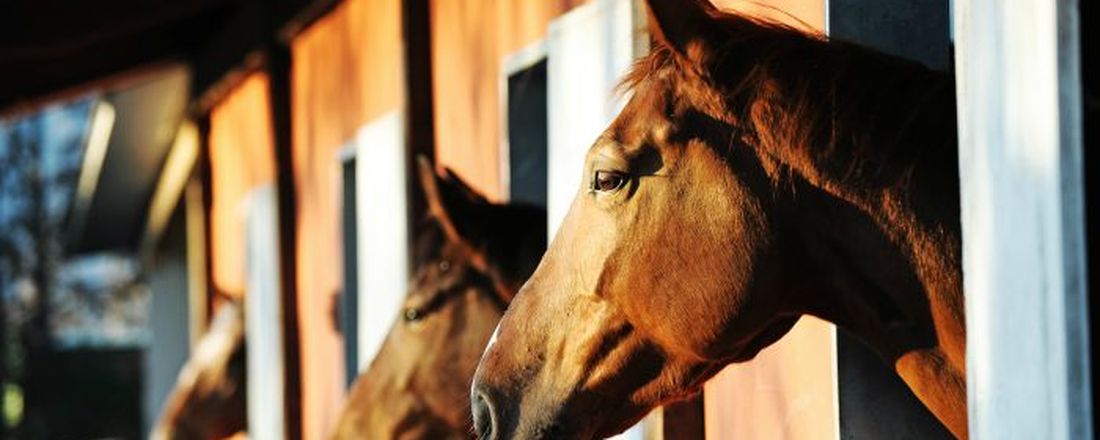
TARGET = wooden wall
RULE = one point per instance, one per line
(241, 159)
(346, 71)
(470, 39)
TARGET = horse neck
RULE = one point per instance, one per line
(874, 161)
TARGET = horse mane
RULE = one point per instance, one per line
(842, 116)
(661, 57)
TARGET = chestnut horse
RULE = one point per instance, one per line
(472, 258)
(208, 401)
(757, 174)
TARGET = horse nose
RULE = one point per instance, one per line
(485, 421)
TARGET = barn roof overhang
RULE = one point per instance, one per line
(155, 64)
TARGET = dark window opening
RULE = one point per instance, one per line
(349, 299)
(527, 134)
(873, 401)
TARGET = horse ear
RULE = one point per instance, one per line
(451, 202)
(685, 26)
(464, 189)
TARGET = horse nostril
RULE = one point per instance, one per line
(484, 419)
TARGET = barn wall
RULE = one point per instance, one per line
(470, 39)
(346, 71)
(788, 391)
(241, 159)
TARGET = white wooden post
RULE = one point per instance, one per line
(589, 50)
(1020, 141)
(263, 318)
(382, 231)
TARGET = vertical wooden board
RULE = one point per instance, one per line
(1018, 66)
(241, 158)
(789, 390)
(263, 323)
(346, 71)
(382, 250)
(589, 50)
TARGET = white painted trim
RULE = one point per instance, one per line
(382, 230)
(588, 49)
(1024, 265)
(263, 317)
(512, 64)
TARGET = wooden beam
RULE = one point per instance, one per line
(278, 64)
(419, 105)
(51, 45)
(43, 50)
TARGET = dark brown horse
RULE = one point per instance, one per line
(756, 175)
(472, 258)
(208, 401)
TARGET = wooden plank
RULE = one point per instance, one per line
(381, 181)
(1020, 146)
(346, 72)
(787, 391)
(266, 393)
(417, 29)
(264, 310)
(278, 70)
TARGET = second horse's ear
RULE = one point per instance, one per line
(451, 202)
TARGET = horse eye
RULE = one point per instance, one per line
(607, 181)
(444, 266)
(412, 315)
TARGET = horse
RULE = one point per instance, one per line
(472, 256)
(756, 174)
(208, 401)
